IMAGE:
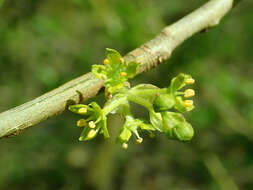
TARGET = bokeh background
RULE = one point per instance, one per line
(46, 43)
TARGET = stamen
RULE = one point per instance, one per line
(81, 123)
(189, 81)
(188, 103)
(121, 60)
(82, 111)
(92, 124)
(106, 61)
(123, 74)
(124, 145)
(139, 140)
(189, 93)
(92, 133)
(103, 77)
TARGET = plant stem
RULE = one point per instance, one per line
(113, 105)
(140, 101)
(149, 92)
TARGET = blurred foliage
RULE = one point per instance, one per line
(46, 43)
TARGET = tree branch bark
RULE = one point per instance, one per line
(150, 54)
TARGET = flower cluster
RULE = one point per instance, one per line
(94, 120)
(160, 102)
(115, 71)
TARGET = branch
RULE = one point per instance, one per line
(15, 120)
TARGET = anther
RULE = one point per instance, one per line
(139, 140)
(92, 124)
(92, 133)
(123, 74)
(189, 93)
(189, 81)
(82, 111)
(188, 103)
(121, 60)
(106, 61)
(124, 145)
(81, 123)
(103, 77)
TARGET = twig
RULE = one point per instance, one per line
(15, 120)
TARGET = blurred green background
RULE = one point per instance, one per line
(46, 43)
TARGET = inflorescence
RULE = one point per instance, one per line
(161, 104)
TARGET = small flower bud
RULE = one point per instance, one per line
(81, 123)
(189, 81)
(124, 145)
(121, 60)
(92, 124)
(188, 103)
(139, 140)
(184, 132)
(92, 133)
(82, 111)
(123, 74)
(106, 61)
(189, 93)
